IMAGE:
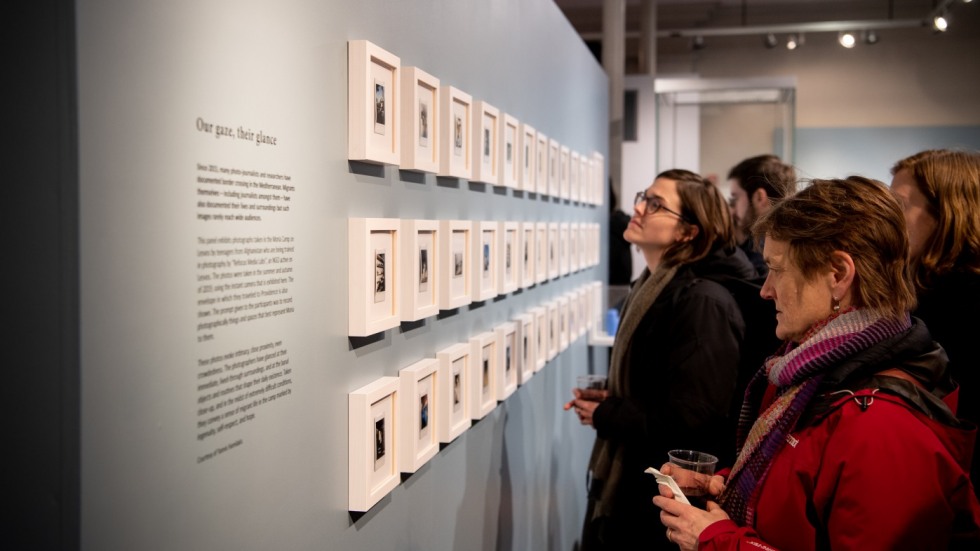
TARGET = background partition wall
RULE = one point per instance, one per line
(210, 419)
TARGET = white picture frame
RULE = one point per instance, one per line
(525, 347)
(574, 176)
(508, 360)
(540, 252)
(541, 164)
(508, 156)
(574, 247)
(371, 443)
(599, 173)
(374, 281)
(455, 263)
(563, 323)
(563, 249)
(420, 273)
(483, 374)
(554, 160)
(485, 257)
(486, 142)
(456, 128)
(509, 261)
(554, 250)
(528, 254)
(372, 103)
(540, 314)
(564, 172)
(527, 172)
(420, 121)
(554, 328)
(585, 320)
(419, 412)
(453, 392)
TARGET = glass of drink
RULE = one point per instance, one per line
(694, 484)
(591, 381)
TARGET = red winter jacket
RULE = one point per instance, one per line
(892, 475)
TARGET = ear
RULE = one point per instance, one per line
(842, 271)
(688, 231)
(760, 200)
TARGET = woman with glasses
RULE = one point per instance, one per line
(674, 359)
(846, 441)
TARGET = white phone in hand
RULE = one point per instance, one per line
(668, 481)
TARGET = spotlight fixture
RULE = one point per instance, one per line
(697, 43)
(770, 41)
(846, 39)
(794, 41)
(940, 23)
(869, 37)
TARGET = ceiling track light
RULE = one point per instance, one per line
(770, 41)
(794, 41)
(869, 37)
(697, 43)
(940, 22)
(846, 39)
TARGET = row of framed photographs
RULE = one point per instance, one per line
(407, 270)
(404, 116)
(396, 424)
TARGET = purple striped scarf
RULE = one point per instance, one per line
(796, 372)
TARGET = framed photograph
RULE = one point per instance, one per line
(420, 121)
(456, 127)
(574, 174)
(420, 273)
(540, 314)
(554, 328)
(584, 180)
(486, 138)
(564, 169)
(455, 259)
(484, 265)
(542, 164)
(527, 359)
(554, 250)
(583, 310)
(594, 244)
(563, 252)
(508, 161)
(574, 247)
(483, 374)
(554, 161)
(509, 264)
(372, 103)
(526, 159)
(508, 360)
(372, 472)
(419, 412)
(373, 277)
(528, 254)
(541, 252)
(600, 177)
(563, 323)
(453, 391)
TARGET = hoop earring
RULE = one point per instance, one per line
(835, 304)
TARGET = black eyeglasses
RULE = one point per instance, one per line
(654, 204)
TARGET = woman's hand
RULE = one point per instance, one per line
(585, 402)
(685, 522)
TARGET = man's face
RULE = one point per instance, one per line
(743, 213)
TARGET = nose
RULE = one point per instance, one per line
(639, 207)
(766, 290)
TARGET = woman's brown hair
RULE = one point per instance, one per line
(702, 205)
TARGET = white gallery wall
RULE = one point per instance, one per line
(172, 95)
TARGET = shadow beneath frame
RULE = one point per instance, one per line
(448, 181)
(407, 326)
(500, 190)
(443, 314)
(361, 342)
(367, 169)
(411, 176)
(478, 186)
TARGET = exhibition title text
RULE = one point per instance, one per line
(221, 131)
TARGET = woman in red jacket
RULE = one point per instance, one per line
(845, 441)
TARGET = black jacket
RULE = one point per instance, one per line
(683, 361)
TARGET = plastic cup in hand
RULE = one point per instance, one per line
(591, 382)
(703, 465)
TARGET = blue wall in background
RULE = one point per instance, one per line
(871, 152)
